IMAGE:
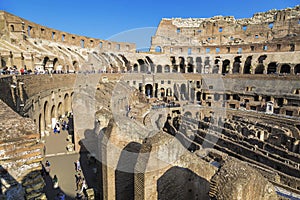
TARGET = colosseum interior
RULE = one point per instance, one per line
(210, 112)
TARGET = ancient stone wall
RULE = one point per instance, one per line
(21, 154)
(264, 32)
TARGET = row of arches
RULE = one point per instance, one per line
(52, 111)
(56, 65)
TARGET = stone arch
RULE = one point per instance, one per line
(198, 96)
(236, 65)
(188, 114)
(47, 114)
(128, 68)
(216, 67)
(45, 62)
(167, 69)
(53, 112)
(162, 92)
(272, 68)
(125, 172)
(225, 66)
(55, 63)
(199, 64)
(67, 103)
(143, 66)
(41, 124)
(75, 66)
(169, 92)
(158, 49)
(285, 69)
(259, 68)
(159, 69)
(247, 65)
(182, 64)
(183, 92)
(135, 68)
(297, 69)
(149, 90)
(60, 109)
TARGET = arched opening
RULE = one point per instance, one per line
(135, 68)
(236, 65)
(191, 185)
(190, 66)
(167, 69)
(143, 66)
(124, 174)
(183, 92)
(12, 28)
(55, 63)
(198, 96)
(158, 49)
(45, 62)
(199, 64)
(60, 110)
(159, 69)
(272, 68)
(188, 114)
(247, 66)
(47, 114)
(225, 66)
(169, 92)
(297, 69)
(285, 69)
(53, 113)
(162, 92)
(149, 90)
(41, 123)
(128, 68)
(75, 66)
(181, 64)
(216, 67)
(260, 68)
(67, 103)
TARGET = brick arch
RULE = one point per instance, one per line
(285, 68)
(297, 69)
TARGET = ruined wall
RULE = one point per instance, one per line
(262, 33)
(21, 154)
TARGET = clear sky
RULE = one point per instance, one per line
(107, 19)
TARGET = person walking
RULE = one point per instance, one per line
(78, 180)
(83, 186)
(47, 167)
(77, 166)
(55, 182)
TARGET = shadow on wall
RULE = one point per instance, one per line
(180, 184)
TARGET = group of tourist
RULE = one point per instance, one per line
(60, 123)
(81, 184)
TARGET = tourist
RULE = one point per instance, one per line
(78, 196)
(77, 166)
(83, 186)
(47, 167)
(55, 182)
(78, 180)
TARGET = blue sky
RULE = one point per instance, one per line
(107, 19)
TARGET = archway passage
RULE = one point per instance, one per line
(198, 96)
(236, 65)
(181, 64)
(247, 66)
(159, 69)
(124, 175)
(158, 49)
(259, 69)
(297, 69)
(167, 69)
(225, 66)
(75, 66)
(272, 68)
(181, 184)
(285, 69)
(149, 90)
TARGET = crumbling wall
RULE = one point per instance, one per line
(21, 154)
